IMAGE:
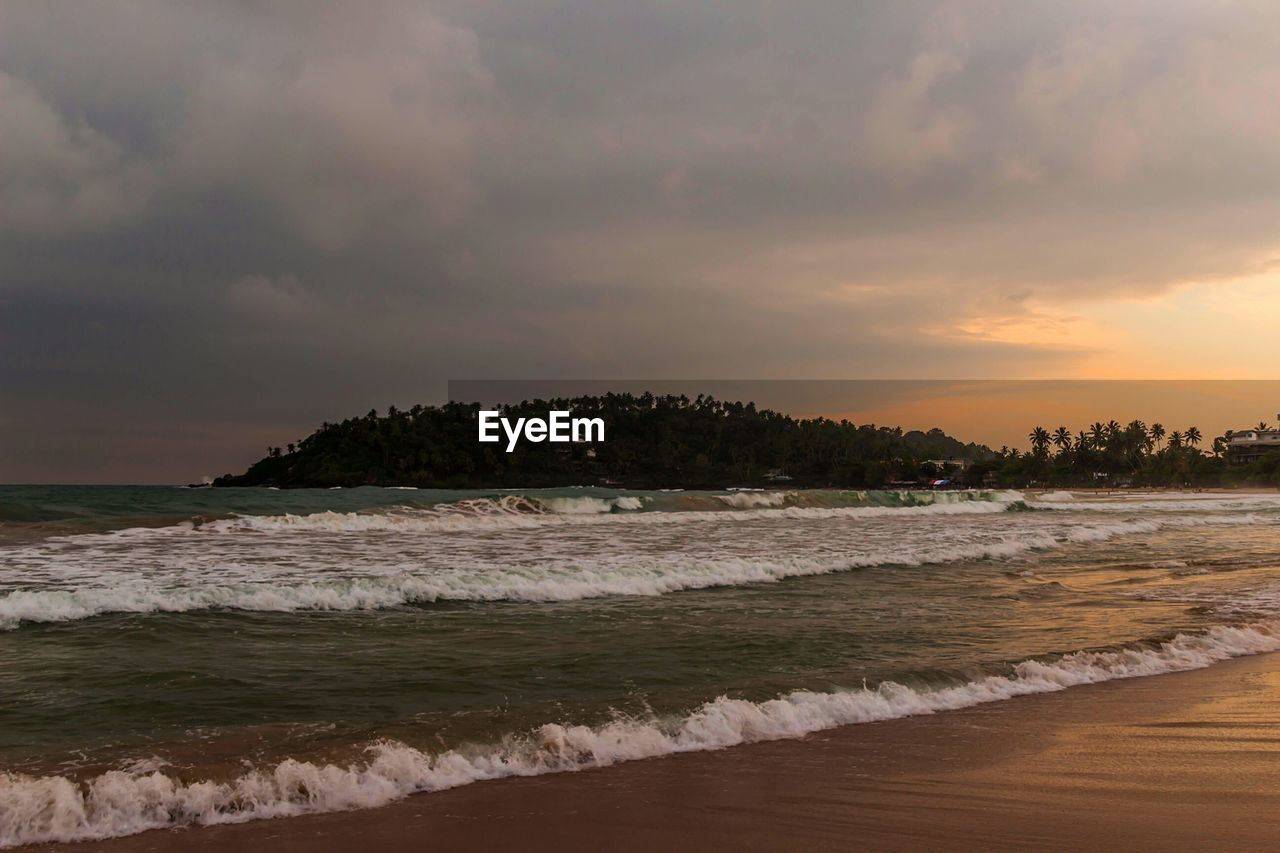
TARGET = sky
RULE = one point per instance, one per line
(221, 224)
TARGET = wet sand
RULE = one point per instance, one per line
(1189, 761)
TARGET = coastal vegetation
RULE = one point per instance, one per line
(1134, 454)
(650, 442)
(677, 442)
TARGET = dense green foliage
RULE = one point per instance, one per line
(674, 442)
(651, 442)
(1108, 454)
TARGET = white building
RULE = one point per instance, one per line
(1246, 445)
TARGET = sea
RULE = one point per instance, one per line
(184, 656)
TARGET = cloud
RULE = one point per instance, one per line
(905, 130)
(58, 174)
(1123, 99)
(282, 298)
(292, 211)
(348, 123)
(343, 122)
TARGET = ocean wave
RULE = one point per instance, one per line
(494, 516)
(535, 508)
(587, 505)
(566, 581)
(1214, 503)
(1104, 531)
(514, 513)
(753, 500)
(556, 581)
(123, 802)
(528, 509)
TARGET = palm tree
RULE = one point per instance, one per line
(1097, 435)
(1113, 436)
(1062, 438)
(1039, 440)
(1263, 426)
(1193, 436)
(1157, 432)
(1175, 439)
(1136, 439)
(1136, 444)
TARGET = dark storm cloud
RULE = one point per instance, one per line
(235, 220)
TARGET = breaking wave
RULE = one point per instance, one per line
(1219, 503)
(519, 510)
(566, 580)
(523, 512)
(753, 500)
(123, 802)
(513, 513)
(545, 583)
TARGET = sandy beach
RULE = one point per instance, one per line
(1188, 760)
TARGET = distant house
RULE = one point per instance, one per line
(1247, 445)
(949, 465)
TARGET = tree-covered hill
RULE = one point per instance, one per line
(650, 442)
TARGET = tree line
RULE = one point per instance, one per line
(1133, 454)
(673, 441)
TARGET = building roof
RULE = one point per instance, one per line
(1252, 436)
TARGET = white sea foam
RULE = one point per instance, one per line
(123, 802)
(564, 581)
(587, 505)
(1153, 503)
(499, 516)
(744, 499)
(550, 580)
(515, 513)
(1104, 531)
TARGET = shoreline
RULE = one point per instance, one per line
(1182, 759)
